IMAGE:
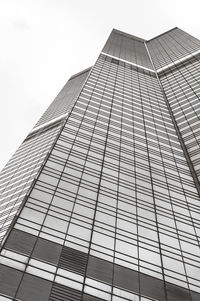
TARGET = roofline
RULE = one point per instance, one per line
(128, 35)
(162, 34)
(80, 73)
(140, 39)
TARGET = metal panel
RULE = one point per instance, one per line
(63, 293)
(73, 260)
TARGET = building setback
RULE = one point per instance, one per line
(102, 199)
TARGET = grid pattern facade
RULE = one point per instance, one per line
(182, 89)
(18, 175)
(172, 47)
(127, 47)
(113, 212)
(64, 100)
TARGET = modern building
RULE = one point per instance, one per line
(102, 199)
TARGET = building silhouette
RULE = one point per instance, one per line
(102, 199)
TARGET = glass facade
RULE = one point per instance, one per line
(112, 210)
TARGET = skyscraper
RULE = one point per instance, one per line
(102, 199)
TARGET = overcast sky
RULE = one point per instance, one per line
(44, 42)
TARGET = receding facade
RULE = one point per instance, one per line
(102, 199)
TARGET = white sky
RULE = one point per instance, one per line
(44, 42)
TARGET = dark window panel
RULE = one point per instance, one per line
(100, 269)
(152, 287)
(34, 288)
(47, 250)
(9, 280)
(195, 296)
(126, 278)
(20, 241)
(177, 293)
